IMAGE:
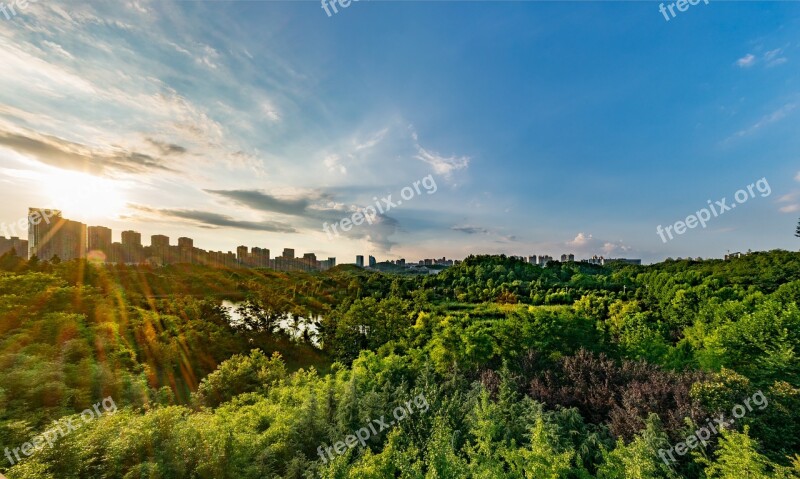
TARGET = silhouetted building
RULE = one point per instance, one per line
(327, 264)
(186, 252)
(159, 250)
(19, 246)
(132, 249)
(57, 236)
(99, 241)
(360, 260)
(260, 257)
(242, 254)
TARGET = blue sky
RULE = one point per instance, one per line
(549, 127)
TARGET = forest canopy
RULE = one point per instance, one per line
(572, 370)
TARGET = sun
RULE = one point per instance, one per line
(83, 195)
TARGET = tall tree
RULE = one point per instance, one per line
(797, 231)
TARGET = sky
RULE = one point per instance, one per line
(541, 127)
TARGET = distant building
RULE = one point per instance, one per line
(159, 250)
(372, 261)
(310, 259)
(360, 260)
(19, 246)
(544, 259)
(260, 257)
(288, 253)
(737, 254)
(100, 241)
(242, 253)
(598, 260)
(59, 237)
(186, 250)
(328, 263)
(132, 249)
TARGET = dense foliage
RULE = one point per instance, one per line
(568, 371)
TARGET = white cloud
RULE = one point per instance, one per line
(333, 163)
(746, 61)
(773, 57)
(444, 166)
(791, 200)
(587, 244)
(57, 48)
(270, 111)
(797, 176)
(770, 59)
(581, 240)
(773, 117)
(374, 140)
(790, 208)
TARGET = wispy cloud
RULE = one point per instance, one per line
(771, 58)
(766, 120)
(261, 201)
(746, 61)
(587, 244)
(334, 164)
(72, 156)
(791, 201)
(470, 230)
(774, 58)
(442, 165)
(207, 219)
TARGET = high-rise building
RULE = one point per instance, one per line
(243, 255)
(57, 236)
(159, 241)
(360, 260)
(544, 259)
(186, 250)
(159, 249)
(260, 257)
(100, 240)
(288, 253)
(19, 246)
(131, 238)
(117, 253)
(132, 250)
(372, 261)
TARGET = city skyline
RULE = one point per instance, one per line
(46, 225)
(215, 121)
